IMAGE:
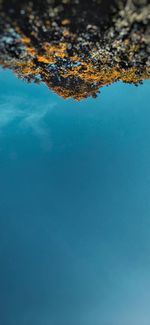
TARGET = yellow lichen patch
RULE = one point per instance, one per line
(28, 68)
(31, 51)
(56, 50)
(66, 33)
(46, 60)
(89, 74)
(65, 22)
(131, 76)
(67, 93)
(75, 58)
(26, 40)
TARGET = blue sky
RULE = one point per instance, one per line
(74, 206)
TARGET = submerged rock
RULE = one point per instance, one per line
(74, 46)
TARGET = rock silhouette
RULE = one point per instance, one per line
(76, 47)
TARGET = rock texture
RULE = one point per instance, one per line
(74, 46)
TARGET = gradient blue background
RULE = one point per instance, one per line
(74, 206)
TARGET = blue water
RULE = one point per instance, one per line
(74, 206)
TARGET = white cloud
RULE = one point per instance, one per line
(28, 116)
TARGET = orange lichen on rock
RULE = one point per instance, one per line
(46, 60)
(26, 40)
(65, 22)
(75, 55)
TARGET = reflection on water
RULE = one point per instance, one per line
(76, 47)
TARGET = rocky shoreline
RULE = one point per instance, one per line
(76, 47)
